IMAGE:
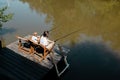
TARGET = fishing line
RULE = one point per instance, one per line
(67, 35)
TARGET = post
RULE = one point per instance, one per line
(0, 44)
(19, 44)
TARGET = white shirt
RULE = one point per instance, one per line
(34, 38)
(44, 41)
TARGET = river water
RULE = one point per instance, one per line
(93, 26)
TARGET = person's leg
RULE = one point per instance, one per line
(50, 46)
(48, 50)
(45, 52)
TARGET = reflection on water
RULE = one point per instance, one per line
(4, 31)
(93, 18)
(96, 20)
(25, 20)
(89, 60)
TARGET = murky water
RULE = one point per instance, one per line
(94, 48)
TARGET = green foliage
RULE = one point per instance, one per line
(4, 17)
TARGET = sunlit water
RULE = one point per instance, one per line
(94, 24)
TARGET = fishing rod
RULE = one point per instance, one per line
(53, 29)
(67, 35)
(50, 30)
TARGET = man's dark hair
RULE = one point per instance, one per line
(45, 34)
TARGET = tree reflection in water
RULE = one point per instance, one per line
(93, 17)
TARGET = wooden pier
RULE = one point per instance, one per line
(34, 57)
(20, 65)
(17, 67)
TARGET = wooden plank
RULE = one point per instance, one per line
(20, 67)
(13, 58)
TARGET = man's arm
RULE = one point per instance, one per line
(22, 38)
(50, 41)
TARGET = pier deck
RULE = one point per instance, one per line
(20, 65)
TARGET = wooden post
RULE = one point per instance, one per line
(19, 44)
(31, 49)
(0, 44)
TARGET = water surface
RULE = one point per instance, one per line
(95, 48)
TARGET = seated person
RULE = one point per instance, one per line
(46, 43)
(35, 38)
